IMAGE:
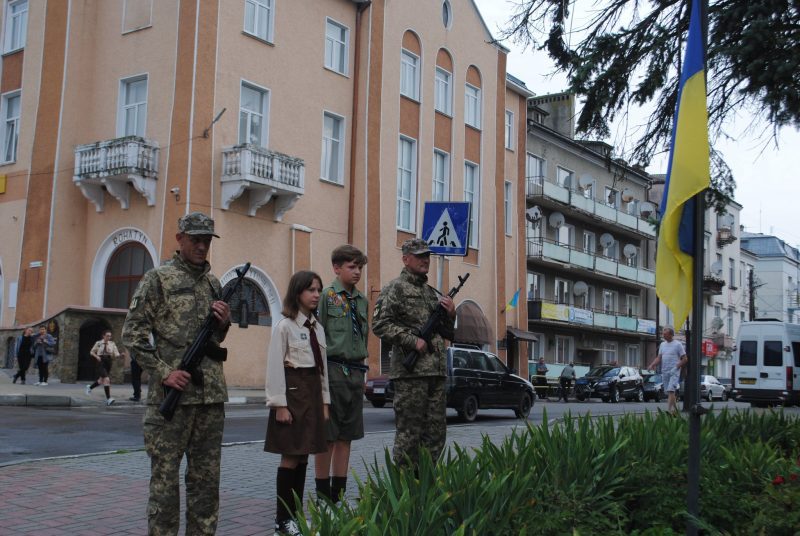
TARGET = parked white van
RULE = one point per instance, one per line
(766, 366)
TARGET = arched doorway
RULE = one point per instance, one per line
(125, 268)
(90, 332)
(249, 306)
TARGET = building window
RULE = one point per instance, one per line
(585, 300)
(534, 286)
(443, 92)
(732, 274)
(447, 14)
(253, 114)
(16, 24)
(509, 130)
(10, 110)
(587, 189)
(259, 18)
(563, 349)
(125, 268)
(406, 184)
(565, 235)
(472, 192)
(332, 148)
(564, 177)
(609, 301)
(609, 351)
(612, 250)
(441, 176)
(249, 306)
(632, 355)
(508, 205)
(472, 106)
(132, 107)
(534, 170)
(336, 41)
(561, 291)
(610, 197)
(730, 323)
(632, 305)
(409, 75)
(589, 243)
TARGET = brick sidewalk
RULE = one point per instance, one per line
(107, 494)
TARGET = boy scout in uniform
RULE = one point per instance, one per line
(171, 304)
(343, 314)
(420, 403)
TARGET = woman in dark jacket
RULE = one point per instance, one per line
(23, 351)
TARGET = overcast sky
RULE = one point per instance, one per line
(768, 186)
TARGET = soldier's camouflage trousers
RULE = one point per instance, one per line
(419, 415)
(196, 431)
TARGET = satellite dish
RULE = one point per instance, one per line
(533, 214)
(646, 209)
(606, 240)
(716, 323)
(585, 181)
(716, 268)
(627, 195)
(556, 220)
(580, 288)
(629, 251)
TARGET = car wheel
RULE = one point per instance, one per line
(524, 407)
(615, 395)
(640, 395)
(710, 396)
(378, 403)
(724, 396)
(469, 409)
(581, 397)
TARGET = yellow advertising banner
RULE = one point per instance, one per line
(3, 181)
(554, 311)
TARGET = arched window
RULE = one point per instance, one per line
(126, 267)
(249, 305)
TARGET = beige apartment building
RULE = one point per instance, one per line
(296, 125)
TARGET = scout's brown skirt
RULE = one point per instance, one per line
(306, 434)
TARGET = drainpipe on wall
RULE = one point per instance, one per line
(360, 7)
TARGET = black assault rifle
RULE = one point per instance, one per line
(202, 346)
(432, 325)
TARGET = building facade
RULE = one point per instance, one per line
(297, 126)
(776, 277)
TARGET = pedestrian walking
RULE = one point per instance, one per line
(672, 358)
(403, 307)
(541, 378)
(23, 351)
(166, 312)
(136, 379)
(43, 348)
(297, 394)
(104, 352)
(343, 315)
(565, 379)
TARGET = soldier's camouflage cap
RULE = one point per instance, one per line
(196, 223)
(415, 246)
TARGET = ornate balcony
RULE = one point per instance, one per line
(712, 285)
(725, 236)
(264, 174)
(116, 165)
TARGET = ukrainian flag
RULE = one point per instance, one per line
(687, 175)
(512, 302)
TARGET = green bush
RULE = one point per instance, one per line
(587, 475)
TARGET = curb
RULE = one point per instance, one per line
(38, 400)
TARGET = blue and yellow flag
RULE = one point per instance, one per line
(512, 302)
(687, 175)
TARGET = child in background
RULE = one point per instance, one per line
(296, 392)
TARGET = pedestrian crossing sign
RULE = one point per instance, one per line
(445, 227)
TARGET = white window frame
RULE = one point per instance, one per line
(610, 299)
(612, 251)
(263, 113)
(729, 322)
(535, 169)
(125, 86)
(611, 197)
(16, 26)
(508, 206)
(331, 144)
(472, 106)
(562, 291)
(441, 176)
(509, 130)
(563, 349)
(610, 349)
(632, 305)
(586, 301)
(443, 92)
(337, 47)
(409, 74)
(632, 355)
(589, 242)
(406, 185)
(565, 177)
(537, 280)
(265, 29)
(10, 126)
(588, 191)
(472, 194)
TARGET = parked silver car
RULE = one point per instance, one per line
(711, 388)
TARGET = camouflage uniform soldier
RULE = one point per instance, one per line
(419, 400)
(166, 312)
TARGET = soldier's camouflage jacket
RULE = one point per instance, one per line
(403, 307)
(171, 302)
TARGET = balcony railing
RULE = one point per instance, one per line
(117, 165)
(538, 187)
(712, 285)
(265, 174)
(598, 318)
(550, 250)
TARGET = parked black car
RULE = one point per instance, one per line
(654, 388)
(479, 380)
(611, 383)
(377, 392)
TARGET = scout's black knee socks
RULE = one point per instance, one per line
(285, 483)
(300, 481)
(95, 384)
(107, 389)
(338, 487)
(323, 488)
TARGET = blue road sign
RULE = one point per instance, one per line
(445, 227)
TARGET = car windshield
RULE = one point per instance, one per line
(604, 371)
(655, 378)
